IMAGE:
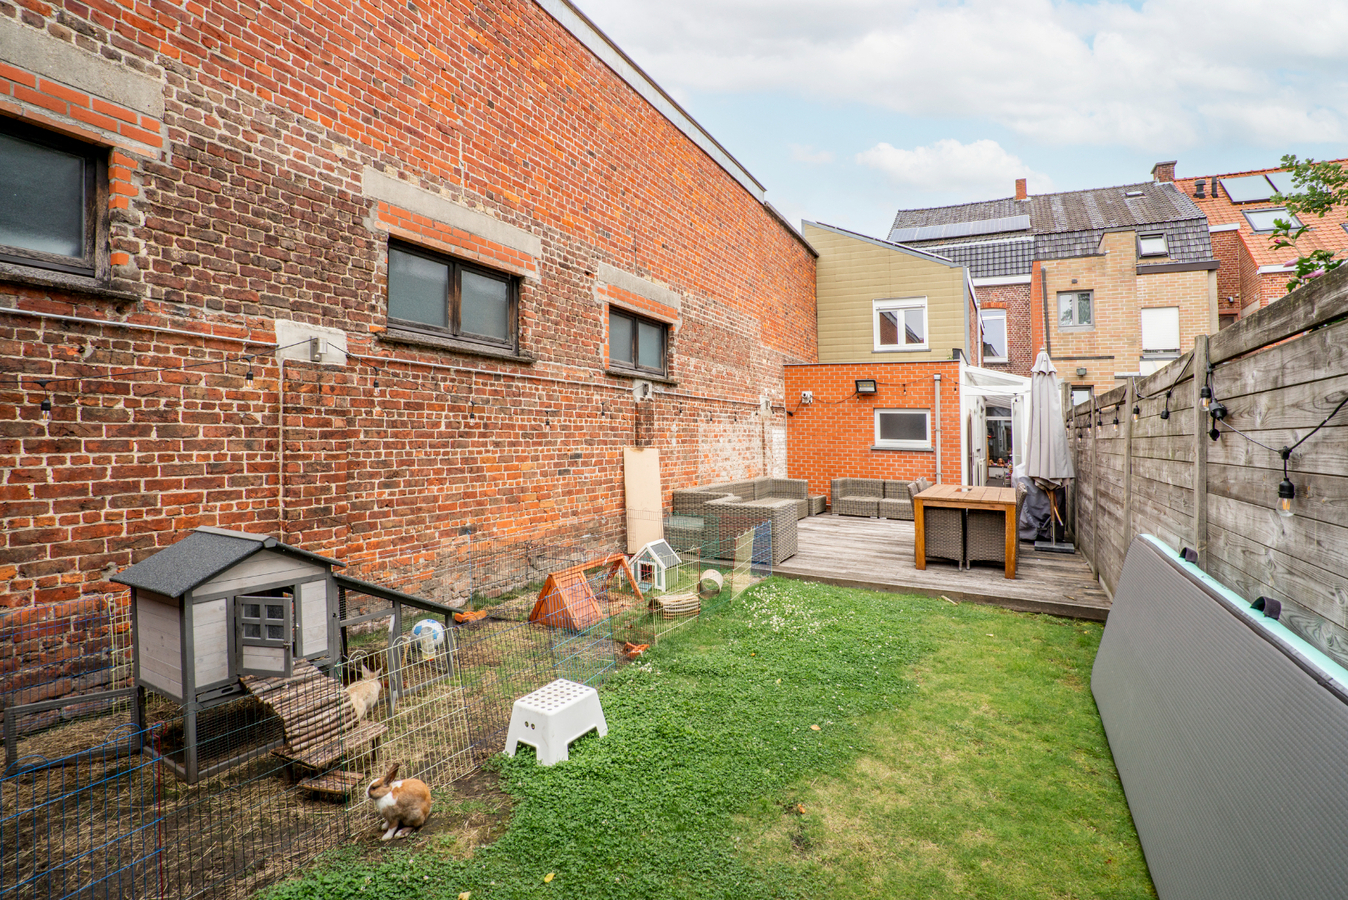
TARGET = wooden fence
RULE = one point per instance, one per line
(1279, 374)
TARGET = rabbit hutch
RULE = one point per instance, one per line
(222, 615)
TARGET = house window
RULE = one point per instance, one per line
(430, 292)
(1082, 393)
(636, 344)
(903, 429)
(994, 335)
(1075, 309)
(1160, 338)
(1151, 245)
(901, 324)
(49, 199)
(1261, 220)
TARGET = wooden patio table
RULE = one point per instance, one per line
(959, 496)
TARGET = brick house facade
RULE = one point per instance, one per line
(259, 171)
(1130, 267)
(916, 367)
(1253, 272)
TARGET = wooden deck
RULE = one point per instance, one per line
(878, 554)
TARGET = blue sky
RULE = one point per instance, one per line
(848, 110)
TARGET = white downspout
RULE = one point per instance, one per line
(936, 427)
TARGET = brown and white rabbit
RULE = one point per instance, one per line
(405, 804)
(364, 693)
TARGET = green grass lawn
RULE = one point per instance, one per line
(809, 742)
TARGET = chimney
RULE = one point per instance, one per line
(1021, 192)
(1198, 188)
(1163, 171)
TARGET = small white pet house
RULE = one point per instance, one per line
(652, 565)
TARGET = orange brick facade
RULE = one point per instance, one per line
(833, 436)
(247, 203)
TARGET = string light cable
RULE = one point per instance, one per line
(1165, 413)
(1286, 489)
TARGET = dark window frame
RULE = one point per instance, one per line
(455, 298)
(1074, 324)
(635, 367)
(93, 262)
(1282, 214)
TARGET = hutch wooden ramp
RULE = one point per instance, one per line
(320, 725)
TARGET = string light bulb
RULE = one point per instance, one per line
(45, 406)
(1205, 395)
(1137, 413)
(1116, 421)
(1165, 413)
(1099, 426)
(1287, 491)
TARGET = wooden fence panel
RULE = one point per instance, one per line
(1279, 373)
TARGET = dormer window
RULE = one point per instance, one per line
(1151, 245)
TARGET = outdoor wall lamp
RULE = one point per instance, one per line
(1081, 371)
(867, 386)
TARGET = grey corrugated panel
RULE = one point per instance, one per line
(1229, 738)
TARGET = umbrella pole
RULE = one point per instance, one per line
(1056, 545)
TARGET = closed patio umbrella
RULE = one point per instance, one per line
(1048, 462)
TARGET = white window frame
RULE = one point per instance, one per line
(879, 306)
(1079, 326)
(1144, 251)
(983, 316)
(903, 445)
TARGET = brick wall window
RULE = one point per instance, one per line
(994, 335)
(1160, 338)
(901, 324)
(635, 344)
(1076, 309)
(438, 295)
(49, 199)
(903, 429)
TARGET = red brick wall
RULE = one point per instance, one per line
(1228, 248)
(832, 437)
(245, 205)
(1015, 299)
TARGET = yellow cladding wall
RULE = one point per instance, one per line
(852, 272)
(1119, 295)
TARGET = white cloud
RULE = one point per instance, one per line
(804, 153)
(1167, 74)
(978, 169)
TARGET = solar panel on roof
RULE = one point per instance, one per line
(960, 229)
(1251, 187)
(1282, 182)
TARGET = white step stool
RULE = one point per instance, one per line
(552, 717)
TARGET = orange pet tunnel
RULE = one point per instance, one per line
(567, 599)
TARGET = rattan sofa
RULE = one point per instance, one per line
(871, 497)
(709, 518)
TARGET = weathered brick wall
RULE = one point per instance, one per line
(833, 436)
(1015, 299)
(249, 202)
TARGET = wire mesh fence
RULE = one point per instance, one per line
(93, 806)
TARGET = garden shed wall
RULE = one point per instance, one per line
(259, 159)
